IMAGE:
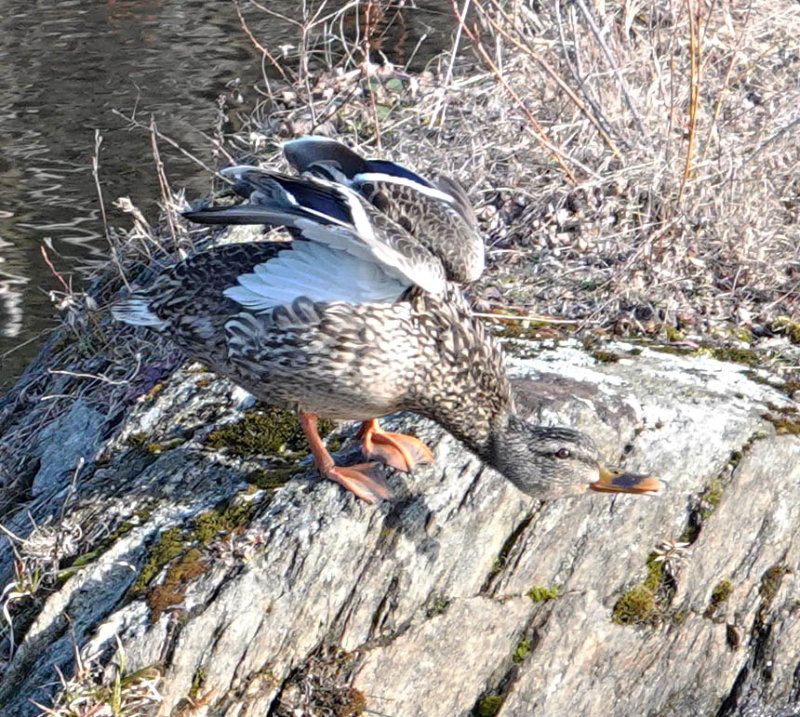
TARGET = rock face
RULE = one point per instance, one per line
(253, 594)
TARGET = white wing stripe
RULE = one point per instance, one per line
(319, 272)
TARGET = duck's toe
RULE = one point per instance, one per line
(398, 450)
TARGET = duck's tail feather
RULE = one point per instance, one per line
(135, 310)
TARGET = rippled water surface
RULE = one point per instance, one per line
(65, 66)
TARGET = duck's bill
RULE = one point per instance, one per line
(615, 481)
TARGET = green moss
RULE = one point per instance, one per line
(157, 449)
(268, 431)
(748, 357)
(712, 495)
(719, 595)
(198, 682)
(635, 607)
(258, 433)
(646, 602)
(335, 443)
(490, 706)
(674, 334)
(168, 546)
(655, 573)
(438, 606)
(771, 580)
(137, 440)
(604, 356)
(525, 328)
(770, 584)
(172, 590)
(540, 593)
(523, 648)
(153, 392)
(272, 478)
(788, 327)
(226, 517)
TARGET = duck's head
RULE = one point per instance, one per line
(550, 462)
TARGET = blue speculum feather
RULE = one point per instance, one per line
(381, 166)
(321, 199)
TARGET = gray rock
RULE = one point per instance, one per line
(63, 443)
(425, 605)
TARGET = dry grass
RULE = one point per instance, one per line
(96, 691)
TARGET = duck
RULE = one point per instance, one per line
(356, 318)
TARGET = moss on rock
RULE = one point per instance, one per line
(541, 593)
(268, 431)
(719, 595)
(646, 603)
(489, 706)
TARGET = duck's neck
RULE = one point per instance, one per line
(463, 384)
(473, 427)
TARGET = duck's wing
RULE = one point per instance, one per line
(197, 296)
(439, 219)
(437, 213)
(332, 215)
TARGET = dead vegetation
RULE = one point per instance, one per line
(105, 692)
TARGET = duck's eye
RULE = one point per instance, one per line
(563, 453)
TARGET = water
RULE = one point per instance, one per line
(65, 66)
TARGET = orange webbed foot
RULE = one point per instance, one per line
(364, 479)
(397, 450)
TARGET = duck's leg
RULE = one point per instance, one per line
(394, 449)
(364, 479)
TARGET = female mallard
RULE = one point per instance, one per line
(353, 320)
